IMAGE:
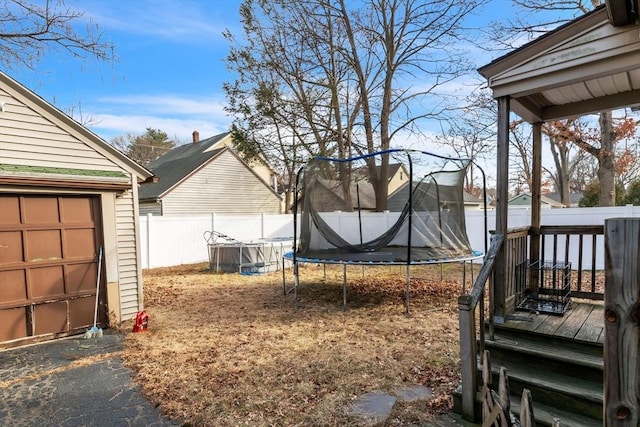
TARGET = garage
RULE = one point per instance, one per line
(48, 264)
(68, 208)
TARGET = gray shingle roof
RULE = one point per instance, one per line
(177, 164)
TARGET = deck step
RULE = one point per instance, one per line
(545, 414)
(550, 341)
(559, 354)
(532, 355)
(554, 389)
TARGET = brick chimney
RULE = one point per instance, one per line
(196, 136)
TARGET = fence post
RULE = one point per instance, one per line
(622, 322)
(262, 225)
(148, 242)
(213, 221)
(628, 210)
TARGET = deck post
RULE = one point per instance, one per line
(468, 356)
(536, 192)
(622, 322)
(502, 192)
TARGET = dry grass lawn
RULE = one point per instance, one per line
(232, 350)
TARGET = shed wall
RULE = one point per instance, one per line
(30, 139)
(127, 256)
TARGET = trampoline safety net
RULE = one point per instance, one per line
(394, 206)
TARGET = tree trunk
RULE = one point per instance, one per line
(560, 153)
(606, 158)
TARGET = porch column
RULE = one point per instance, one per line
(502, 198)
(536, 190)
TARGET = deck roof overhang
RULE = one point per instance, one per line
(586, 66)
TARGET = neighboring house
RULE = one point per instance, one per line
(328, 196)
(65, 197)
(447, 195)
(329, 193)
(398, 175)
(206, 177)
(472, 202)
(523, 201)
(574, 198)
(258, 165)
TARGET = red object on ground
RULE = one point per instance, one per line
(142, 322)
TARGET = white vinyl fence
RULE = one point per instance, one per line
(175, 240)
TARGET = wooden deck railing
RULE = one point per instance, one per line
(516, 251)
(557, 241)
(471, 310)
(579, 245)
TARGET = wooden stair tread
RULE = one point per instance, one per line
(545, 414)
(561, 354)
(539, 378)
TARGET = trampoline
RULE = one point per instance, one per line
(393, 207)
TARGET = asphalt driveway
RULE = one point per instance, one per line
(73, 382)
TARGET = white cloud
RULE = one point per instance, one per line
(165, 104)
(173, 20)
(176, 115)
(109, 126)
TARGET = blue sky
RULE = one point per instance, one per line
(169, 71)
(168, 74)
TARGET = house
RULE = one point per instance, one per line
(206, 176)
(330, 195)
(574, 198)
(258, 165)
(523, 201)
(68, 211)
(472, 202)
(397, 175)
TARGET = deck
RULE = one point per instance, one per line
(583, 322)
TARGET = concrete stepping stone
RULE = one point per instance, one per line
(372, 407)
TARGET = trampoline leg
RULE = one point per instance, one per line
(284, 282)
(406, 299)
(295, 284)
(344, 286)
(464, 277)
(471, 272)
(441, 272)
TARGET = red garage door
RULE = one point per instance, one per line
(48, 265)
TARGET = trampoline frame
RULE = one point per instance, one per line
(296, 259)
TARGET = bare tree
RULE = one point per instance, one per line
(472, 135)
(144, 148)
(344, 75)
(29, 29)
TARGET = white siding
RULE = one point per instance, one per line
(150, 208)
(223, 186)
(29, 139)
(127, 256)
